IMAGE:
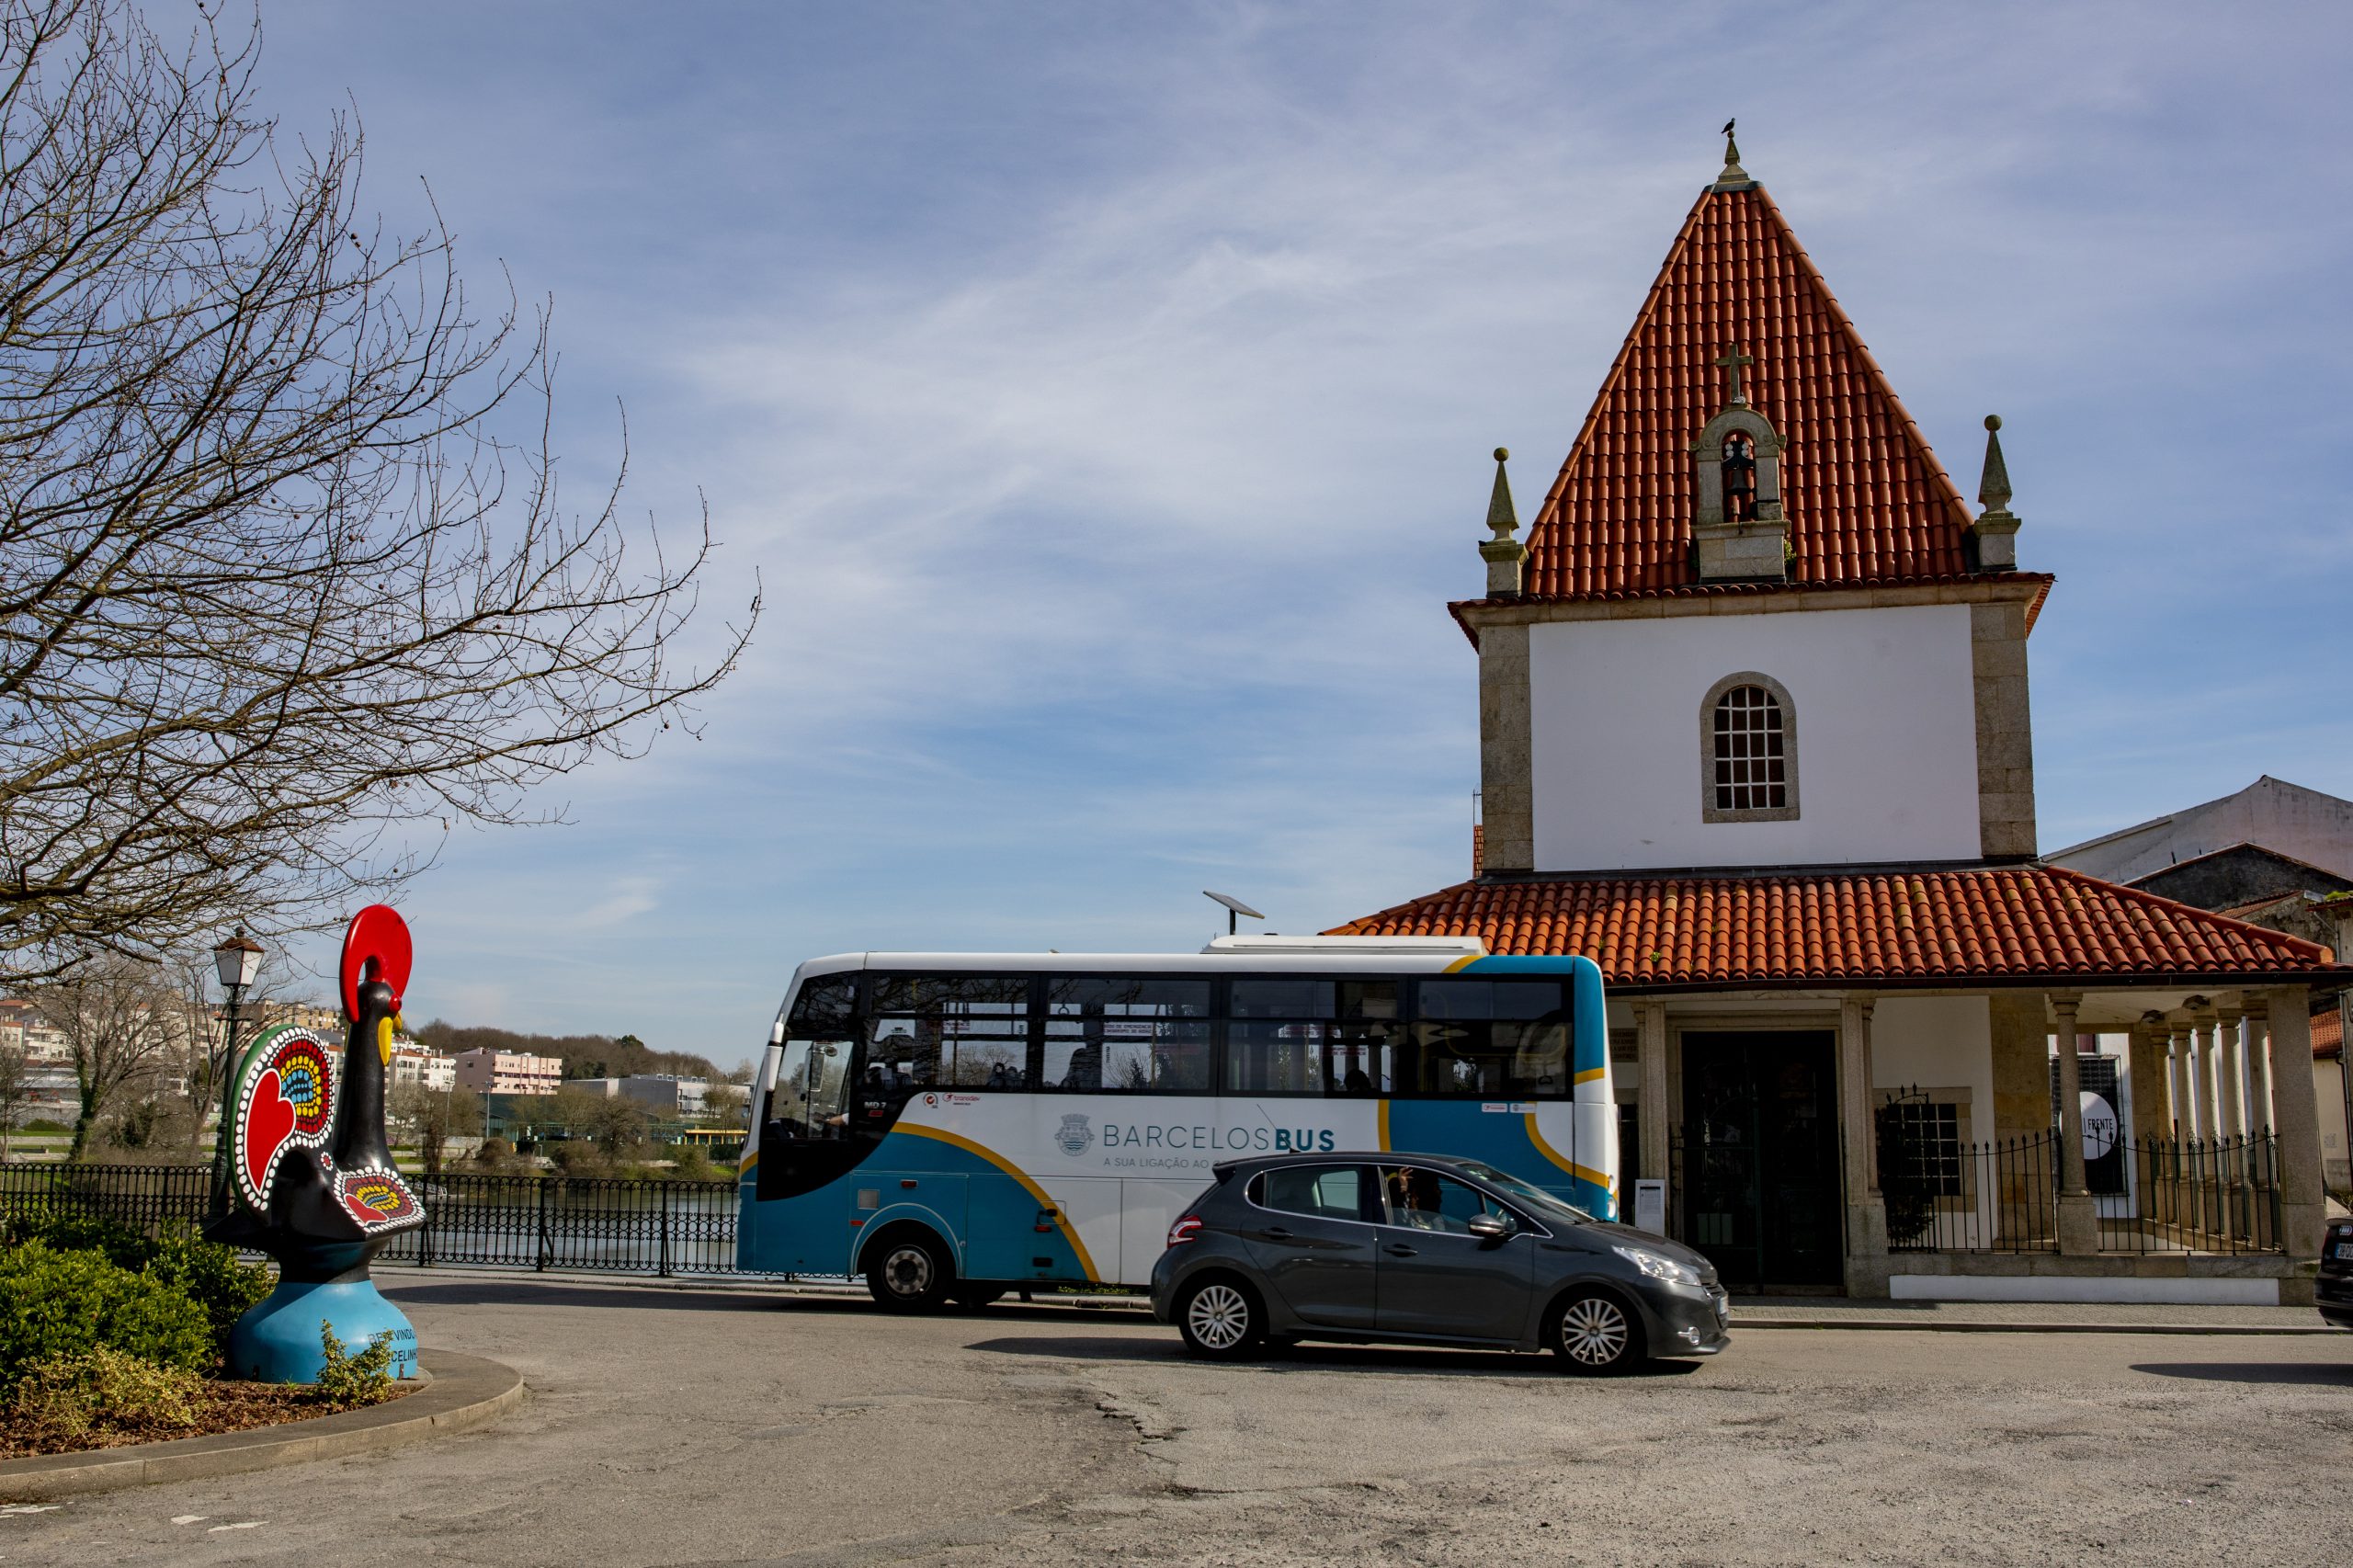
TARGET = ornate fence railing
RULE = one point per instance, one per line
(2150, 1195)
(1944, 1196)
(518, 1222)
(2188, 1195)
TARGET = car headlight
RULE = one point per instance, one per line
(1658, 1265)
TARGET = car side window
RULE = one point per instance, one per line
(1422, 1199)
(1324, 1192)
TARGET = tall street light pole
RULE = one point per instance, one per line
(236, 962)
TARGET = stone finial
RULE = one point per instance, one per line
(1996, 531)
(1503, 553)
(1734, 176)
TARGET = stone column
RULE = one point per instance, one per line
(2231, 1108)
(2152, 1100)
(1650, 1034)
(2178, 1121)
(1867, 1257)
(2301, 1194)
(2202, 1069)
(2078, 1221)
(2260, 1119)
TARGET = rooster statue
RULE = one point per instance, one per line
(311, 1179)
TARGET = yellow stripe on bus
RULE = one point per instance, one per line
(1536, 1136)
(1385, 1127)
(1045, 1204)
(1591, 1074)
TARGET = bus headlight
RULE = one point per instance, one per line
(1658, 1265)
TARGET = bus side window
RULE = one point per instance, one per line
(1112, 1034)
(1493, 1037)
(966, 1030)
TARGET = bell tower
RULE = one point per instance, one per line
(1738, 531)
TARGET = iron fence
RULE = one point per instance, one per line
(1946, 1196)
(2150, 1195)
(2188, 1195)
(518, 1221)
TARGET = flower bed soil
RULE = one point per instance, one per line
(222, 1406)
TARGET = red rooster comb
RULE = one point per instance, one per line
(375, 946)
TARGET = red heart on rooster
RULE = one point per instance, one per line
(268, 1123)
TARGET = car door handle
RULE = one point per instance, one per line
(1397, 1249)
(1273, 1234)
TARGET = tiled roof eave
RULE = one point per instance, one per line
(1878, 927)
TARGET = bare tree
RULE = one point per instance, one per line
(724, 1104)
(272, 616)
(14, 1081)
(121, 1022)
(435, 1116)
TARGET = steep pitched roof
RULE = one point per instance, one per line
(1865, 498)
(2018, 925)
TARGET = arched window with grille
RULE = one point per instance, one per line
(1749, 743)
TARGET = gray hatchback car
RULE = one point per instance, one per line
(1426, 1249)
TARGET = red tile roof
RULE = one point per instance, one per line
(1865, 498)
(2013, 924)
(2328, 1033)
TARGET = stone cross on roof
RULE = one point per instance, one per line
(1732, 361)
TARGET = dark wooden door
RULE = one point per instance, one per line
(1760, 1156)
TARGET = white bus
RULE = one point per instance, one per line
(959, 1125)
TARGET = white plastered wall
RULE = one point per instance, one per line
(1886, 737)
(1937, 1042)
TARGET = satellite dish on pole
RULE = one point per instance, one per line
(1233, 907)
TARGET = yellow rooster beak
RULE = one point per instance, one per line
(384, 1027)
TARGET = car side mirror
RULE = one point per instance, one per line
(1491, 1227)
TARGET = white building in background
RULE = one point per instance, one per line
(491, 1072)
(426, 1069)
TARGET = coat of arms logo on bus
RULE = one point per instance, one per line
(1078, 1135)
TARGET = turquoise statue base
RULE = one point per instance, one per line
(277, 1339)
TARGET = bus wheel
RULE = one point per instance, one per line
(1596, 1333)
(908, 1273)
(1221, 1320)
(973, 1298)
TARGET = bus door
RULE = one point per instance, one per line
(805, 1138)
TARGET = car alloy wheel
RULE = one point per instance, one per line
(1594, 1333)
(1219, 1319)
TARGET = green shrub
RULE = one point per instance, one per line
(56, 1304)
(68, 1395)
(212, 1277)
(123, 1247)
(348, 1380)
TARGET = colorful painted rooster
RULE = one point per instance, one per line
(311, 1175)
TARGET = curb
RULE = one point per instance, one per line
(1896, 1325)
(465, 1392)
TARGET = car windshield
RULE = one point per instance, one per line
(1534, 1197)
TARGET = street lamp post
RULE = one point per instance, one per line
(235, 962)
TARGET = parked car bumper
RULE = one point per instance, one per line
(1685, 1322)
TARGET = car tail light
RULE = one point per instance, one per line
(1183, 1230)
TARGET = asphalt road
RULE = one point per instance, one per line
(701, 1427)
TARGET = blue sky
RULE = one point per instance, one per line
(1104, 395)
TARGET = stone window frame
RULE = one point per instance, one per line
(1709, 809)
(1961, 1099)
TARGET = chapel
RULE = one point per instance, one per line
(1756, 736)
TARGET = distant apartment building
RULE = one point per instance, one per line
(426, 1069)
(49, 1087)
(508, 1071)
(663, 1093)
(328, 1021)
